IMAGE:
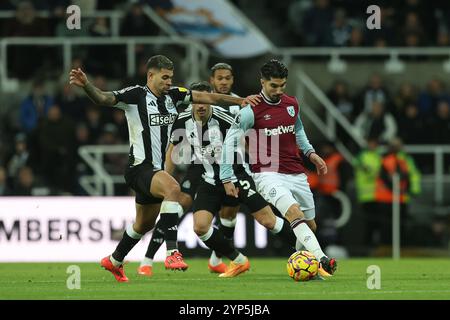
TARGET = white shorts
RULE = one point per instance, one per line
(283, 190)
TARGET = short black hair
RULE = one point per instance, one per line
(159, 62)
(201, 86)
(220, 66)
(274, 69)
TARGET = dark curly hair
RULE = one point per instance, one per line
(201, 86)
(274, 69)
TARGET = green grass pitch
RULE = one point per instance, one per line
(425, 278)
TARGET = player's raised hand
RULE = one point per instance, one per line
(252, 100)
(230, 189)
(78, 77)
(321, 166)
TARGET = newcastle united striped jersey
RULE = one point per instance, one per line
(150, 121)
(204, 141)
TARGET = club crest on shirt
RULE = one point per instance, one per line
(291, 111)
(273, 193)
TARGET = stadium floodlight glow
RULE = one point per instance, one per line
(394, 65)
(336, 65)
(446, 65)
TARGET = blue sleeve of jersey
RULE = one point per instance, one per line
(302, 139)
(243, 121)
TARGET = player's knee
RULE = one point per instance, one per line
(201, 228)
(173, 192)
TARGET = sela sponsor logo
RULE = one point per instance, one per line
(280, 130)
(210, 150)
(162, 119)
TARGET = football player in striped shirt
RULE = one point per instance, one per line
(189, 184)
(151, 111)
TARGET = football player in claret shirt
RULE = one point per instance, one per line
(275, 133)
(151, 111)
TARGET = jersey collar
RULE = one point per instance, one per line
(268, 101)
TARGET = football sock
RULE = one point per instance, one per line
(147, 262)
(129, 240)
(156, 241)
(214, 260)
(227, 227)
(169, 223)
(240, 258)
(284, 231)
(215, 240)
(306, 237)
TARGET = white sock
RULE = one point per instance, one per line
(147, 262)
(307, 238)
(169, 252)
(228, 223)
(240, 258)
(214, 260)
(278, 225)
(115, 262)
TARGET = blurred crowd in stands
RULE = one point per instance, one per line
(338, 23)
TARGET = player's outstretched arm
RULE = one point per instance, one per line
(226, 100)
(243, 121)
(79, 78)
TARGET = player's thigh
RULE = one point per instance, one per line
(163, 185)
(230, 208)
(274, 190)
(146, 217)
(229, 213)
(302, 193)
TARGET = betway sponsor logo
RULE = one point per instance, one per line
(162, 119)
(279, 130)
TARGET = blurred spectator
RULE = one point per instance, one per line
(406, 95)
(94, 123)
(441, 123)
(316, 23)
(442, 38)
(396, 161)
(120, 121)
(367, 166)
(386, 35)
(26, 23)
(339, 173)
(413, 129)
(56, 137)
(19, 158)
(429, 98)
(114, 163)
(25, 183)
(356, 38)
(375, 91)
(136, 23)
(412, 33)
(340, 31)
(72, 105)
(35, 107)
(104, 59)
(23, 60)
(4, 188)
(340, 96)
(378, 123)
